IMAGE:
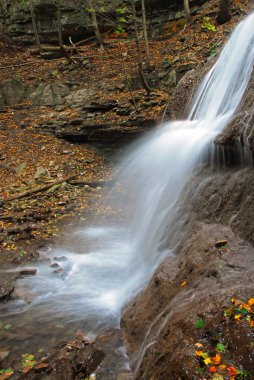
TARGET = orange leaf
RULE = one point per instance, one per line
(232, 371)
(216, 359)
(199, 353)
(212, 369)
(26, 369)
(251, 301)
(251, 323)
(41, 366)
(5, 376)
(245, 306)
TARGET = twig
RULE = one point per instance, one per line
(39, 189)
(75, 47)
(92, 184)
(164, 112)
(93, 37)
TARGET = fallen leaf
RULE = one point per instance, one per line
(251, 301)
(216, 359)
(212, 369)
(26, 369)
(222, 367)
(232, 371)
(200, 323)
(207, 361)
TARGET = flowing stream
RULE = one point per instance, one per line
(108, 263)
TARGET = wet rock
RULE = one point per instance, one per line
(61, 258)
(159, 325)
(6, 289)
(74, 360)
(58, 271)
(221, 243)
(28, 272)
(55, 265)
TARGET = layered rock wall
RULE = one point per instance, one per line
(16, 20)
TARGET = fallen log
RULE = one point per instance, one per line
(39, 189)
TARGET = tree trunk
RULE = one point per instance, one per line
(95, 24)
(224, 12)
(187, 10)
(145, 32)
(139, 55)
(59, 26)
(36, 35)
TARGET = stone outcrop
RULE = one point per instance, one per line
(199, 281)
(16, 20)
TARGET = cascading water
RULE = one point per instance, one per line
(118, 259)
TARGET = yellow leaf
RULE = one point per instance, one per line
(222, 367)
(184, 284)
(238, 316)
(207, 361)
(217, 377)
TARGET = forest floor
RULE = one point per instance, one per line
(71, 178)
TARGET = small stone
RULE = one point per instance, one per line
(58, 271)
(4, 355)
(28, 271)
(61, 203)
(55, 265)
(61, 258)
(221, 243)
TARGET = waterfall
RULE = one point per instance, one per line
(112, 261)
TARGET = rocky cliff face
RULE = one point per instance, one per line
(16, 20)
(199, 281)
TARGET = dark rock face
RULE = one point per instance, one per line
(16, 20)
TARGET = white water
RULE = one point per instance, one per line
(119, 258)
